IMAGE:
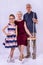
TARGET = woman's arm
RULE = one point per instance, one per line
(27, 31)
(16, 31)
(4, 30)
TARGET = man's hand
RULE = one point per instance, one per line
(34, 20)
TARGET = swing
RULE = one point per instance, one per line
(33, 38)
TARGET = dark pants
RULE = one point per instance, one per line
(34, 45)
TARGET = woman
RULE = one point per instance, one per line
(21, 36)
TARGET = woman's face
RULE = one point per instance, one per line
(11, 19)
(19, 15)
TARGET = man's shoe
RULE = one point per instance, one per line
(28, 56)
(33, 56)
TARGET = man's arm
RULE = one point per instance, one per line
(35, 19)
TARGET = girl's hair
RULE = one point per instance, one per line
(12, 15)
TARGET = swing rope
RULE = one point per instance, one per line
(33, 38)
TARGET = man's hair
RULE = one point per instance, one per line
(28, 4)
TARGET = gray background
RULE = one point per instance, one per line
(12, 6)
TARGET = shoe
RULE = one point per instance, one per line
(10, 60)
(23, 56)
(33, 56)
(20, 58)
(28, 55)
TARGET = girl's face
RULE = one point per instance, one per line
(11, 19)
(19, 15)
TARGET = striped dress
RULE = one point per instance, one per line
(11, 40)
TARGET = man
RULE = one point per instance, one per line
(31, 18)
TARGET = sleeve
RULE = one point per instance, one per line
(15, 22)
(36, 16)
(24, 18)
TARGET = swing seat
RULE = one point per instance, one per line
(33, 38)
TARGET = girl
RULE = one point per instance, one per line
(22, 36)
(11, 40)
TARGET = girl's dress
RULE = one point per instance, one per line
(22, 36)
(11, 40)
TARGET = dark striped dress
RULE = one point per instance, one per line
(11, 40)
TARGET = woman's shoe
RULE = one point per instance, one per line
(23, 56)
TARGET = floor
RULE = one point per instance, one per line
(4, 56)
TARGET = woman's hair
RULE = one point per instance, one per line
(12, 15)
(19, 12)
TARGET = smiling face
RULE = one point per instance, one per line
(19, 15)
(11, 18)
(28, 8)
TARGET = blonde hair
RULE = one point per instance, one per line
(19, 12)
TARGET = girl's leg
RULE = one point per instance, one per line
(11, 52)
(10, 58)
(21, 52)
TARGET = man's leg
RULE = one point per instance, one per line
(34, 48)
(28, 49)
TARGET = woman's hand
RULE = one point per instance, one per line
(30, 35)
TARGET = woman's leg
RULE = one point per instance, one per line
(21, 52)
(19, 48)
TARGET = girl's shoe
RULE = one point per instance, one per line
(10, 60)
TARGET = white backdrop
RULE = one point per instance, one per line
(12, 6)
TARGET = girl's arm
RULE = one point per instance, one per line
(27, 31)
(4, 30)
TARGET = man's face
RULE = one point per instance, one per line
(28, 8)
